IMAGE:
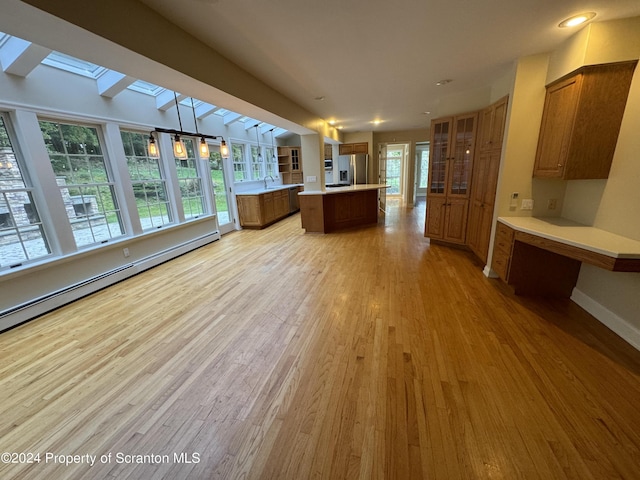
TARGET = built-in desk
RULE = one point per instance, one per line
(543, 255)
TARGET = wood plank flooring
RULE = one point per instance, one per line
(274, 354)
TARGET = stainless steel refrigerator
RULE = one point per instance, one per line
(353, 169)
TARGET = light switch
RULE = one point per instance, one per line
(527, 204)
(312, 178)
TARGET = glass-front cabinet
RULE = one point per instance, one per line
(450, 167)
(438, 162)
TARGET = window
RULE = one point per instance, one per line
(256, 163)
(21, 234)
(394, 171)
(239, 165)
(84, 181)
(423, 157)
(219, 186)
(270, 162)
(190, 182)
(148, 180)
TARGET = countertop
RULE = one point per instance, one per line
(577, 235)
(346, 189)
(275, 188)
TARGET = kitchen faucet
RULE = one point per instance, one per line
(265, 180)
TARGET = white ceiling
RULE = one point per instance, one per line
(376, 59)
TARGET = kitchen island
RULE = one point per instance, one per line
(339, 208)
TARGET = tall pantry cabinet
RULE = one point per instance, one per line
(485, 177)
(450, 167)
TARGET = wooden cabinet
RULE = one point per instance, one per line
(325, 213)
(290, 165)
(328, 151)
(581, 121)
(502, 248)
(450, 169)
(485, 177)
(258, 211)
(353, 148)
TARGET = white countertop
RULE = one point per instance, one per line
(571, 233)
(346, 188)
(261, 190)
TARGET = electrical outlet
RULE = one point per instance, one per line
(312, 178)
(125, 251)
(552, 203)
(527, 204)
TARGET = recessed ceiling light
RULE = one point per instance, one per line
(444, 82)
(377, 122)
(577, 20)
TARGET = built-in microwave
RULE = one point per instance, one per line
(328, 164)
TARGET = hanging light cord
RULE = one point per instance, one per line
(194, 115)
(175, 97)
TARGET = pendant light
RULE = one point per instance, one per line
(273, 148)
(179, 150)
(152, 146)
(258, 139)
(204, 148)
(224, 150)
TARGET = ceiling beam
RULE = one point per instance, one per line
(166, 99)
(111, 83)
(20, 57)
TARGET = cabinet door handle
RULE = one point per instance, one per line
(559, 165)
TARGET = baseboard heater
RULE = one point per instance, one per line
(29, 310)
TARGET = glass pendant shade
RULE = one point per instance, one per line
(179, 150)
(224, 150)
(204, 148)
(152, 147)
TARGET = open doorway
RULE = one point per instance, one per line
(422, 172)
(394, 162)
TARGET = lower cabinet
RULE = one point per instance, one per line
(502, 249)
(258, 211)
(447, 219)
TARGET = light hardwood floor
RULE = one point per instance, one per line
(367, 354)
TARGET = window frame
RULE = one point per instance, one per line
(245, 171)
(27, 190)
(144, 182)
(181, 165)
(111, 184)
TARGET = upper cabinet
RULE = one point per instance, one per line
(581, 121)
(485, 177)
(290, 164)
(353, 148)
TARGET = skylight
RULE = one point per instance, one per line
(147, 88)
(74, 65)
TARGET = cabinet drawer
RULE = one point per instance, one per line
(502, 249)
(504, 237)
(500, 263)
